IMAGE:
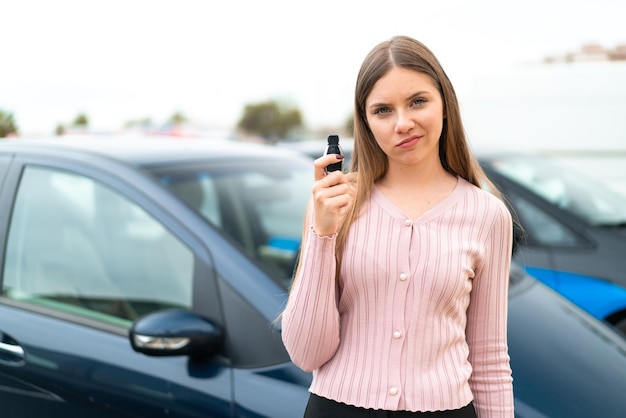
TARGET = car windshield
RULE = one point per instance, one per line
(567, 189)
(260, 205)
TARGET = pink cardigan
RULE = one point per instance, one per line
(418, 318)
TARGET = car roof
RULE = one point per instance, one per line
(146, 150)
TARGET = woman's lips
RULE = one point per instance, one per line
(409, 142)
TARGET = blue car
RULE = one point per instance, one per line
(143, 277)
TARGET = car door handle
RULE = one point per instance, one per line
(13, 349)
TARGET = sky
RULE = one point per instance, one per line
(122, 60)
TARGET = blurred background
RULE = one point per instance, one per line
(538, 75)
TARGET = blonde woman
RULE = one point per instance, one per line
(399, 301)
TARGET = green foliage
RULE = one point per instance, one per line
(178, 118)
(81, 120)
(270, 120)
(7, 124)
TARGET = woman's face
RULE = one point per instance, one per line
(405, 113)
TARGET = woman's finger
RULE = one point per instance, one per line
(321, 163)
(329, 183)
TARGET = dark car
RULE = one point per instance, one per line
(574, 226)
(143, 278)
(575, 230)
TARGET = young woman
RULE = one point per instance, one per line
(399, 301)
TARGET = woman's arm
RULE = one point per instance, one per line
(311, 318)
(310, 322)
(491, 379)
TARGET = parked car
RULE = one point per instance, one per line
(142, 278)
(575, 231)
(575, 227)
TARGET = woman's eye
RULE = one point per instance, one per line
(419, 101)
(381, 110)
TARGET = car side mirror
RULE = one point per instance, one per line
(175, 332)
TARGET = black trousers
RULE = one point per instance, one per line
(319, 407)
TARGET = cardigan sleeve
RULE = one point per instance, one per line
(491, 380)
(310, 321)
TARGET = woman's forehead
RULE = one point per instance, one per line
(401, 81)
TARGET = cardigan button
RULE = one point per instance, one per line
(408, 222)
(403, 276)
(393, 391)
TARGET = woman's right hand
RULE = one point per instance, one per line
(330, 196)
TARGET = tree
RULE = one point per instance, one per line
(270, 120)
(81, 120)
(7, 124)
(178, 118)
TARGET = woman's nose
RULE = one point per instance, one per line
(404, 123)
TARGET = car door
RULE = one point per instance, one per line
(548, 237)
(555, 246)
(85, 253)
(546, 233)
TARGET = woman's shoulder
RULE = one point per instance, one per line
(483, 197)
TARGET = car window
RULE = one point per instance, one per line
(540, 227)
(78, 246)
(567, 189)
(260, 205)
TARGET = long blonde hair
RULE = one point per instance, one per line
(369, 162)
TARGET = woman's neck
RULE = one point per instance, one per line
(418, 176)
(416, 189)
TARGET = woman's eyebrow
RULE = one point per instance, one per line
(377, 104)
(410, 97)
(420, 93)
